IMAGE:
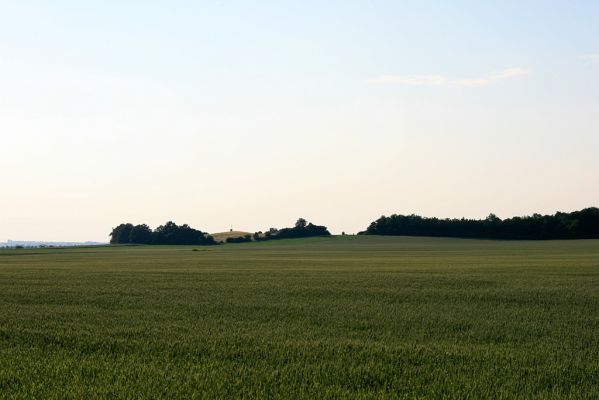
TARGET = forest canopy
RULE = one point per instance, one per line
(583, 224)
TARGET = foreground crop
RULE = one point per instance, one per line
(353, 317)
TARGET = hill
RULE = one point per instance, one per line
(222, 236)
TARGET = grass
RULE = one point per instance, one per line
(344, 317)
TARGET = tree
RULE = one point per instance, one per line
(574, 225)
(494, 218)
(301, 229)
(316, 230)
(300, 224)
(121, 234)
(141, 234)
(169, 233)
(241, 239)
(166, 234)
(270, 233)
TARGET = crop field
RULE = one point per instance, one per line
(343, 317)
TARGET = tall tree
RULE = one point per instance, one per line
(121, 234)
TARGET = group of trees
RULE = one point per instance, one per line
(301, 229)
(169, 233)
(583, 224)
(240, 239)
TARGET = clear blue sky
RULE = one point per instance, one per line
(256, 113)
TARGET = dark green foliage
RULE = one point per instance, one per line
(301, 229)
(121, 234)
(169, 234)
(270, 233)
(141, 234)
(240, 239)
(350, 317)
(301, 224)
(258, 236)
(582, 224)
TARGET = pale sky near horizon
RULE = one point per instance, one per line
(257, 113)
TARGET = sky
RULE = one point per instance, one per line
(252, 114)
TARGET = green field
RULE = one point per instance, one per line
(342, 317)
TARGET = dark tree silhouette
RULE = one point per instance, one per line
(141, 234)
(169, 233)
(583, 224)
(258, 236)
(121, 234)
(241, 239)
(300, 224)
(301, 229)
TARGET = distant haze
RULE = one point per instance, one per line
(29, 243)
(252, 114)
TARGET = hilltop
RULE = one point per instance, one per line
(222, 236)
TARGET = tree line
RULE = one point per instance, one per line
(301, 229)
(583, 224)
(169, 233)
(173, 234)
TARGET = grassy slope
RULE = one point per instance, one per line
(359, 317)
